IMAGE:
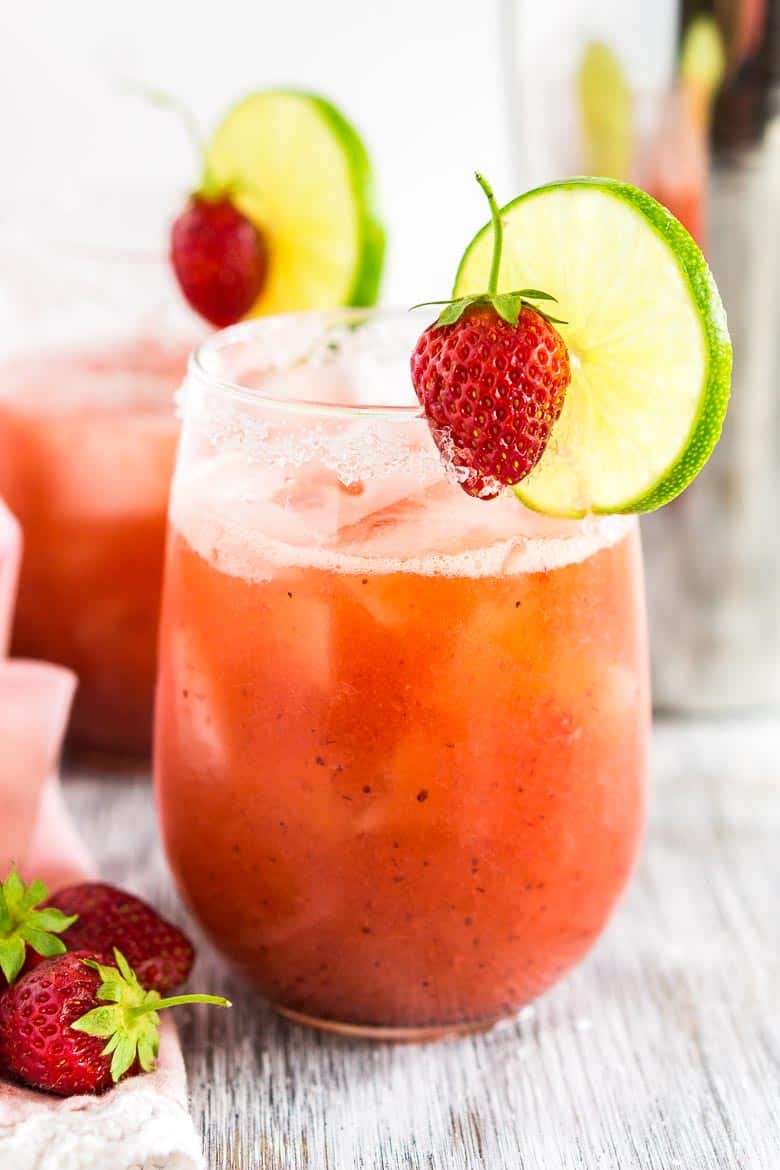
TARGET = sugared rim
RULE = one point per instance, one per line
(206, 360)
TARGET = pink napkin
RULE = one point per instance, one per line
(143, 1123)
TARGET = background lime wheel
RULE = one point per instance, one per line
(294, 165)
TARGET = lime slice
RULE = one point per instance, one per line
(646, 332)
(296, 167)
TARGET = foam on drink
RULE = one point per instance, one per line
(249, 521)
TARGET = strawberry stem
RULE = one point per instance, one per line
(154, 1005)
(498, 233)
(209, 188)
(167, 101)
(508, 305)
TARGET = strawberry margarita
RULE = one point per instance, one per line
(87, 441)
(401, 733)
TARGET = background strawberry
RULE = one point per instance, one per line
(491, 375)
(160, 954)
(219, 257)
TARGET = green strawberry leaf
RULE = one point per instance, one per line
(535, 294)
(50, 919)
(102, 1021)
(148, 1048)
(454, 311)
(43, 943)
(13, 891)
(508, 306)
(125, 970)
(11, 957)
(22, 925)
(128, 1019)
(35, 893)
(124, 1056)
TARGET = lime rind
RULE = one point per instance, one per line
(707, 424)
(300, 171)
(547, 488)
(372, 236)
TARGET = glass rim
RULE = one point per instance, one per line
(111, 221)
(79, 247)
(203, 358)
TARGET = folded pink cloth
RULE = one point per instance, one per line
(143, 1123)
(35, 701)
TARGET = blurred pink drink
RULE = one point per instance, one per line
(87, 443)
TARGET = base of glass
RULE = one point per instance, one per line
(406, 1035)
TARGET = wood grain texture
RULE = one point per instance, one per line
(661, 1052)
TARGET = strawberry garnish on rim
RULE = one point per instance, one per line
(491, 375)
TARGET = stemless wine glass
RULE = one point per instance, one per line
(401, 733)
(95, 342)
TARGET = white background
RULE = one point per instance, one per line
(424, 80)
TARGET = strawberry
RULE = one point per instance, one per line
(491, 375)
(219, 257)
(77, 1024)
(29, 925)
(158, 951)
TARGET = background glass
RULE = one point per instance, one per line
(683, 98)
(94, 344)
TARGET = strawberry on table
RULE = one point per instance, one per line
(105, 917)
(78, 1024)
(29, 925)
(491, 374)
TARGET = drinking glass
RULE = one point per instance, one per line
(94, 347)
(682, 97)
(401, 733)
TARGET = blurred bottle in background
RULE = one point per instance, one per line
(683, 99)
(95, 340)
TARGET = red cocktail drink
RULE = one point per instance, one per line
(401, 739)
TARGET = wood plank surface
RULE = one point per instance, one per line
(661, 1052)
